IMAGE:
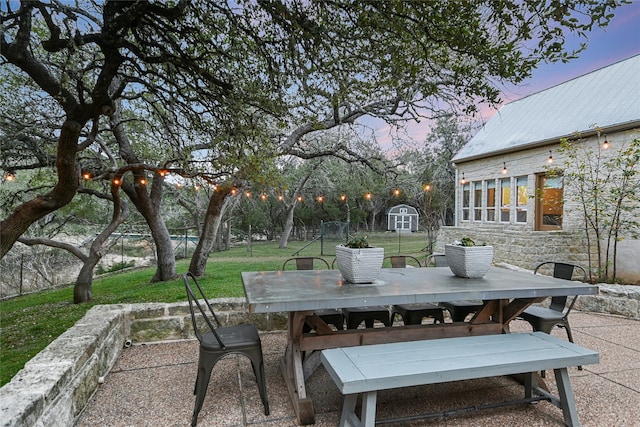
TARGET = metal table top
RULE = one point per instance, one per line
(278, 291)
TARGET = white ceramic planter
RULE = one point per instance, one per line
(361, 265)
(472, 262)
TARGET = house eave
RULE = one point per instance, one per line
(620, 127)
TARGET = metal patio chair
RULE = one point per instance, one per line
(412, 314)
(329, 316)
(459, 310)
(219, 341)
(545, 319)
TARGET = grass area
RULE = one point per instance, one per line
(30, 322)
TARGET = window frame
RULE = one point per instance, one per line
(477, 201)
(521, 209)
(490, 201)
(505, 207)
(540, 203)
(465, 204)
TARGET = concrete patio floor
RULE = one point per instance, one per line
(152, 385)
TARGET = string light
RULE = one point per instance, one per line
(320, 199)
(550, 159)
(396, 192)
(248, 194)
(86, 176)
(368, 196)
(427, 187)
(142, 181)
(504, 168)
(263, 197)
(463, 180)
(116, 181)
(299, 198)
(606, 143)
(234, 191)
(162, 172)
(9, 176)
(343, 198)
(280, 197)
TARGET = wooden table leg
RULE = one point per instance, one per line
(292, 370)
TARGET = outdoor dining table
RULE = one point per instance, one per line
(505, 293)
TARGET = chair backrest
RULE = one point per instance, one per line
(566, 271)
(436, 260)
(306, 263)
(403, 261)
(194, 303)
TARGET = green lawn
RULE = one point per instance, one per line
(29, 323)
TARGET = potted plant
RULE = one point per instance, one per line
(467, 259)
(358, 261)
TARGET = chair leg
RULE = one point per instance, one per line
(258, 369)
(570, 336)
(202, 383)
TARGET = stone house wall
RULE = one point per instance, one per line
(517, 242)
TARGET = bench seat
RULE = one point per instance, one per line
(367, 369)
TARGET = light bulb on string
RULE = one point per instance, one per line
(550, 159)
(463, 180)
(263, 197)
(396, 192)
(427, 187)
(343, 198)
(9, 176)
(504, 168)
(320, 199)
(605, 145)
(368, 196)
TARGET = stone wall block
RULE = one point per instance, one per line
(147, 311)
(59, 413)
(144, 330)
(178, 309)
(20, 406)
(624, 307)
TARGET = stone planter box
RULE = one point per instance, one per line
(472, 262)
(359, 265)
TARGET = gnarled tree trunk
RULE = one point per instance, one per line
(216, 207)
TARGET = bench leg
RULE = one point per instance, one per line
(368, 416)
(349, 417)
(567, 400)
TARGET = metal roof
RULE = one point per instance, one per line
(606, 98)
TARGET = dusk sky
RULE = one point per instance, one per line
(618, 41)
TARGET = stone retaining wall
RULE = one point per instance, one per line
(56, 384)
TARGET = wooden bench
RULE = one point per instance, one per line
(369, 368)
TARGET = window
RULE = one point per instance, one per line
(505, 199)
(491, 201)
(549, 202)
(522, 198)
(477, 201)
(466, 189)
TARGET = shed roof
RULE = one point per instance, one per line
(608, 98)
